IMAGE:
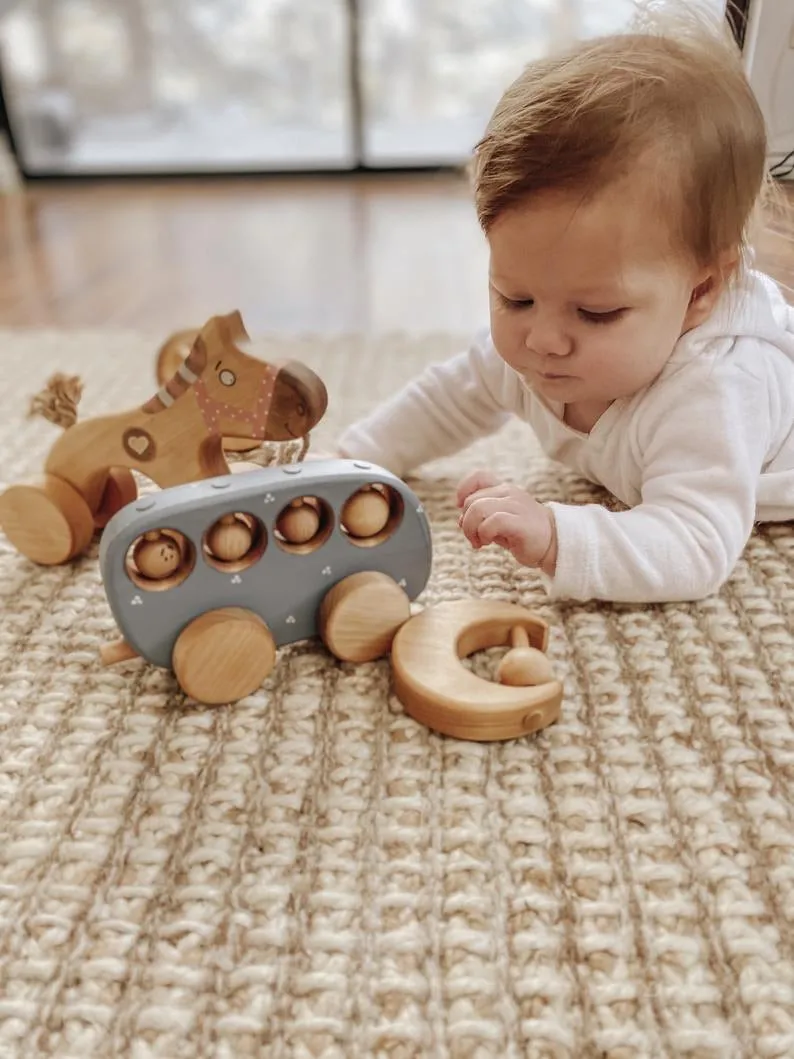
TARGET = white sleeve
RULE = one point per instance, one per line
(702, 449)
(441, 411)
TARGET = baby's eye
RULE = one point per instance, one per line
(608, 317)
(516, 303)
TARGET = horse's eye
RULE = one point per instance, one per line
(227, 377)
(301, 408)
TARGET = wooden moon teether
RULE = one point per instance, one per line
(437, 690)
(365, 513)
(299, 522)
(157, 555)
(523, 665)
(229, 539)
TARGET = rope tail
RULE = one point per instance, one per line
(58, 401)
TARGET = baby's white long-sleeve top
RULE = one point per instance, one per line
(698, 456)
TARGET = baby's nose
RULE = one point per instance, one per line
(548, 340)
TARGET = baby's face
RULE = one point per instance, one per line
(587, 300)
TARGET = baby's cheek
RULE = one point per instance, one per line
(633, 360)
(508, 342)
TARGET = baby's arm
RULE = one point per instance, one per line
(442, 410)
(702, 450)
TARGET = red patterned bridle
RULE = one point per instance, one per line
(213, 409)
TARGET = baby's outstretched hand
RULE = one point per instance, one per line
(495, 512)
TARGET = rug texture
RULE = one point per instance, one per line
(311, 874)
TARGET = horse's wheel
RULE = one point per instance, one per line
(359, 617)
(46, 520)
(170, 356)
(120, 490)
(223, 655)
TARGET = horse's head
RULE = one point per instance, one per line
(242, 396)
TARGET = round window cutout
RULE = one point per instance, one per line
(371, 515)
(234, 542)
(304, 525)
(160, 559)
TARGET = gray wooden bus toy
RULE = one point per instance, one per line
(209, 578)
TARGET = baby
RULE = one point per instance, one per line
(616, 185)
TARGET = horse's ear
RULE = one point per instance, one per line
(217, 334)
(233, 327)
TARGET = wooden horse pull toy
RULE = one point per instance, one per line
(217, 392)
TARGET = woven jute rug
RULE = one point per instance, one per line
(311, 873)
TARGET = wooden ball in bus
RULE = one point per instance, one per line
(299, 522)
(365, 513)
(229, 539)
(157, 556)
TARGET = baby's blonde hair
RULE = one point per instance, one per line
(671, 92)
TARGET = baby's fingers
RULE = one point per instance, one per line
(472, 483)
(500, 528)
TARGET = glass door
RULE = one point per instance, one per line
(433, 70)
(164, 85)
(124, 86)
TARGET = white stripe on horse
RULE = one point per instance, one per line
(186, 373)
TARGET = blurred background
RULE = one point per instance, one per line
(126, 86)
(301, 160)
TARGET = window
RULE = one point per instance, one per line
(124, 86)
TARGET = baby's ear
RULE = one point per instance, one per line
(709, 286)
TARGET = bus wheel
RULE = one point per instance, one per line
(223, 655)
(359, 617)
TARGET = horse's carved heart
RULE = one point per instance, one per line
(139, 444)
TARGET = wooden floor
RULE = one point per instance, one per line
(310, 254)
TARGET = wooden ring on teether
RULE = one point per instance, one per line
(437, 690)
